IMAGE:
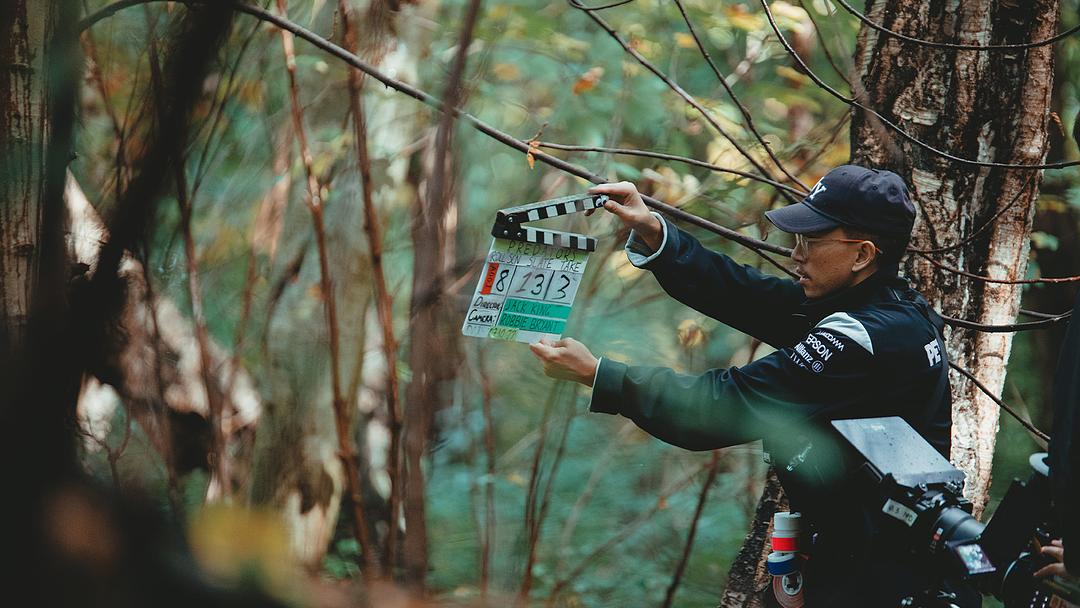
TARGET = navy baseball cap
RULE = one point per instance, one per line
(873, 200)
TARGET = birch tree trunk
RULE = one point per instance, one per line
(988, 106)
(25, 28)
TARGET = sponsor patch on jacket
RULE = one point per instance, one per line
(815, 351)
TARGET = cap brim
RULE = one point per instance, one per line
(800, 218)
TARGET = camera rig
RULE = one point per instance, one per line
(921, 493)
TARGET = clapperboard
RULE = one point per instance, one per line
(531, 275)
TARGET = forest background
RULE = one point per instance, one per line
(284, 369)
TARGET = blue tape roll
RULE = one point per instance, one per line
(781, 563)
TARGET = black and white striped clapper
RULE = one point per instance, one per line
(509, 222)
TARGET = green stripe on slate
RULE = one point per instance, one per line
(545, 326)
(536, 309)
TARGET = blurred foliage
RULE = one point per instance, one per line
(536, 70)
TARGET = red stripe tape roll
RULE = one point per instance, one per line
(780, 543)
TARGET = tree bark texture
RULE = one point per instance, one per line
(25, 29)
(989, 106)
(748, 576)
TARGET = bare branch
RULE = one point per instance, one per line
(384, 306)
(676, 579)
(982, 387)
(918, 142)
(758, 246)
(747, 118)
(623, 533)
(674, 86)
(1044, 324)
(987, 224)
(985, 279)
(661, 155)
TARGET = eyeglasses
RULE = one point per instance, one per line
(803, 241)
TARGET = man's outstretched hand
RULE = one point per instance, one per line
(625, 203)
(566, 359)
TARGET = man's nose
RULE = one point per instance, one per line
(798, 254)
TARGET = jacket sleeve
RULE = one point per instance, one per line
(740, 296)
(823, 373)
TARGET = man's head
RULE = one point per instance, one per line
(854, 222)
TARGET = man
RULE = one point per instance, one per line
(852, 339)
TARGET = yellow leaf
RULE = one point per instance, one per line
(793, 76)
(685, 40)
(506, 71)
(588, 80)
(739, 17)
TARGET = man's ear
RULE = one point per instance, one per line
(866, 255)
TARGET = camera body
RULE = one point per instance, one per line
(921, 497)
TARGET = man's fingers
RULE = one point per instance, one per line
(1054, 551)
(541, 350)
(1051, 570)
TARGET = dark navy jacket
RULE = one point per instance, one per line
(875, 349)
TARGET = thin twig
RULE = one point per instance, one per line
(531, 507)
(674, 86)
(664, 156)
(748, 120)
(215, 412)
(986, 279)
(676, 578)
(384, 304)
(987, 224)
(758, 246)
(314, 201)
(1044, 324)
(624, 532)
(218, 457)
(982, 387)
(824, 47)
(487, 540)
(908, 136)
(954, 46)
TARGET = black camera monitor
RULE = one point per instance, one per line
(892, 447)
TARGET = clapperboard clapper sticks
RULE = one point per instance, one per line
(531, 275)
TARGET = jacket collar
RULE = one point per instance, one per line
(869, 290)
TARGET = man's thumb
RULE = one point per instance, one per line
(614, 207)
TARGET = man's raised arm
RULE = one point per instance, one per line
(740, 296)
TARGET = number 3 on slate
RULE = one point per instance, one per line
(539, 287)
(560, 293)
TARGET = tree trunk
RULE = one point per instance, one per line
(988, 106)
(25, 28)
(151, 360)
(748, 576)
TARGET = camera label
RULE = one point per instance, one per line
(899, 511)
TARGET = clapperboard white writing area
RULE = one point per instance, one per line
(531, 275)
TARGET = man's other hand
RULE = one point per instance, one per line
(626, 203)
(1056, 551)
(566, 359)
